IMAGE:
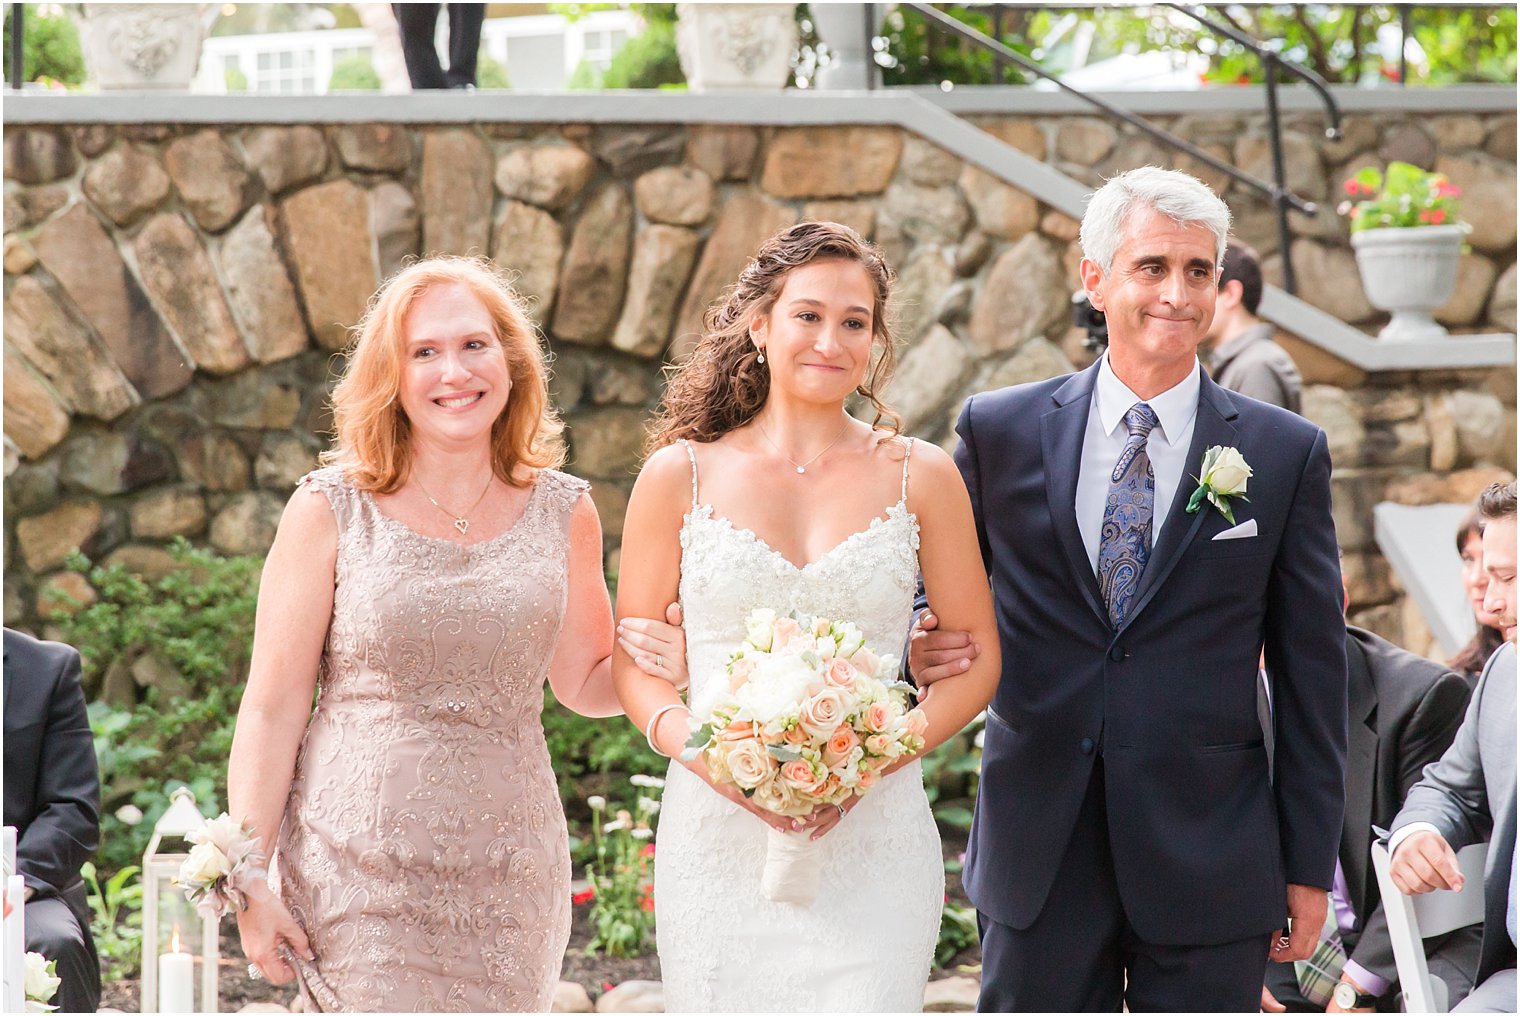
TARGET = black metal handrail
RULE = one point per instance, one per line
(18, 49)
(1276, 192)
(1271, 62)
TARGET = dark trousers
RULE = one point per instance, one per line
(417, 22)
(61, 932)
(1081, 955)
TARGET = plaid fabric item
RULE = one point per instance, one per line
(1317, 975)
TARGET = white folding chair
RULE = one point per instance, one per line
(1411, 919)
(13, 932)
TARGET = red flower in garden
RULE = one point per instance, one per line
(1434, 216)
(647, 903)
(584, 897)
(606, 985)
(1448, 190)
(647, 851)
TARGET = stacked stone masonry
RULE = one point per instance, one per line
(177, 299)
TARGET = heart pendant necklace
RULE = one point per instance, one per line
(461, 522)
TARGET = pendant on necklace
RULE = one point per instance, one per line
(463, 525)
(802, 469)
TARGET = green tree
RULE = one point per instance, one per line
(50, 49)
(1338, 41)
(489, 73)
(646, 60)
(354, 74)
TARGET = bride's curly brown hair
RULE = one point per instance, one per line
(722, 385)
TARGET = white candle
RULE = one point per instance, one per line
(176, 980)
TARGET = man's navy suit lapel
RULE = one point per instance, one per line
(1061, 432)
(1211, 427)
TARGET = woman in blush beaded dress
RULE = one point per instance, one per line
(762, 492)
(424, 585)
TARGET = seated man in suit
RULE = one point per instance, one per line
(52, 797)
(1404, 713)
(1469, 795)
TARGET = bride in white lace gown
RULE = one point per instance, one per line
(754, 439)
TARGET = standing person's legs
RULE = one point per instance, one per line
(1069, 959)
(1196, 978)
(464, 42)
(417, 23)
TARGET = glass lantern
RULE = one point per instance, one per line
(177, 940)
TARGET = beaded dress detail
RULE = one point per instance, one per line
(424, 847)
(867, 940)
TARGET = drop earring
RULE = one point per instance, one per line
(761, 357)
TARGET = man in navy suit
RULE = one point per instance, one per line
(1130, 846)
(52, 797)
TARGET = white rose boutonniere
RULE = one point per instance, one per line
(1224, 475)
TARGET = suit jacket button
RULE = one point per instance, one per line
(1116, 653)
(1086, 746)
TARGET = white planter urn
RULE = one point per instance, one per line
(140, 47)
(847, 30)
(1409, 272)
(736, 47)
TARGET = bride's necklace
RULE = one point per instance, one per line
(461, 522)
(802, 466)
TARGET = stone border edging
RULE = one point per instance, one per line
(931, 118)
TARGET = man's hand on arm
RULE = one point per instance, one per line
(1307, 905)
(1424, 862)
(934, 655)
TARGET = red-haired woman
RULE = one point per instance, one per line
(424, 584)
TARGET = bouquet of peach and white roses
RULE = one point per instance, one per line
(812, 717)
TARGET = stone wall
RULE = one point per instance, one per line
(176, 299)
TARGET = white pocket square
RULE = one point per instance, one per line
(1240, 532)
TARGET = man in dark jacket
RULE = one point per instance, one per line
(1244, 357)
(1404, 713)
(52, 797)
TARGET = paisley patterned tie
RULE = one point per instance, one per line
(1125, 543)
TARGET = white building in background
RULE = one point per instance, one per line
(540, 52)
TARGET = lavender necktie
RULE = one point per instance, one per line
(1125, 543)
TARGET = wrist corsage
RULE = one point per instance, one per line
(224, 863)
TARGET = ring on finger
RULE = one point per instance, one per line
(254, 973)
(841, 810)
(659, 661)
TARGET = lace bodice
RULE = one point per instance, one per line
(866, 942)
(870, 578)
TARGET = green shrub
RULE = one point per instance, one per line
(646, 60)
(354, 74)
(116, 921)
(193, 629)
(50, 50)
(489, 73)
(957, 931)
(590, 755)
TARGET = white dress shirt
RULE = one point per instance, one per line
(1176, 410)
